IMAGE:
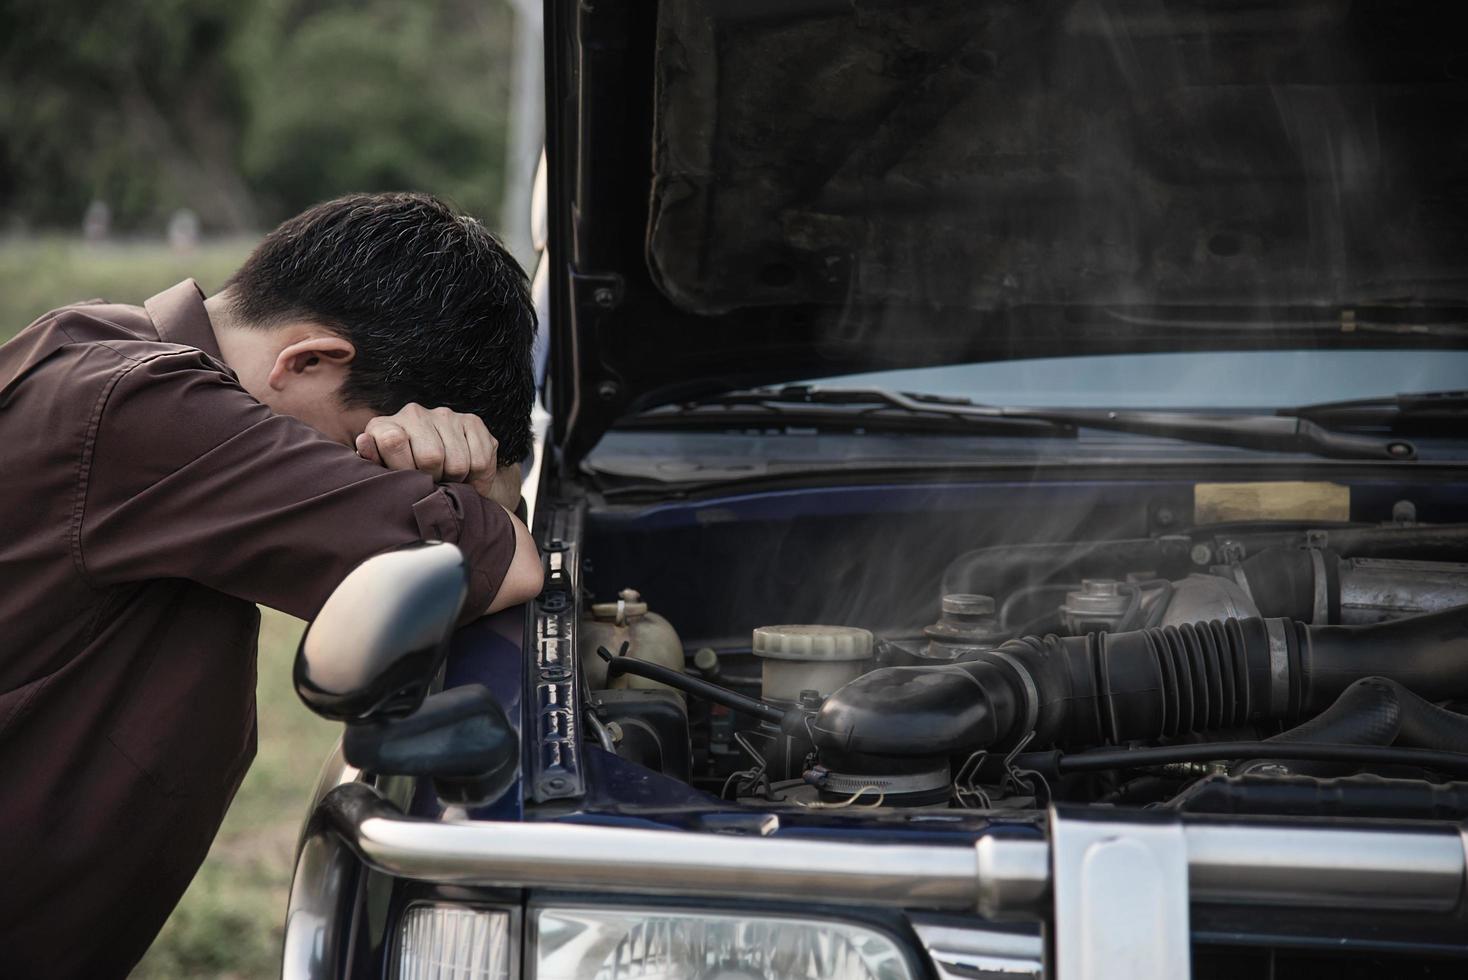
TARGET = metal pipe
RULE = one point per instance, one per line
(1375, 589)
(587, 857)
(1322, 865)
(1421, 868)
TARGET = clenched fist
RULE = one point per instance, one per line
(449, 446)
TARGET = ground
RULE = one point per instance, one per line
(230, 922)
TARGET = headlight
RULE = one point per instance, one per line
(453, 943)
(663, 944)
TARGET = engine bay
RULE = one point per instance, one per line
(1259, 666)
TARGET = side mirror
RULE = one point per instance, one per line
(460, 737)
(375, 647)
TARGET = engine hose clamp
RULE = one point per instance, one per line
(847, 784)
(1032, 693)
(1279, 667)
(1320, 614)
(1242, 581)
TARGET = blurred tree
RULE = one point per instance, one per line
(378, 96)
(246, 112)
(133, 103)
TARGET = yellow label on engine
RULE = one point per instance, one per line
(1218, 503)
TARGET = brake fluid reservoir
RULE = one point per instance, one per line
(649, 637)
(810, 658)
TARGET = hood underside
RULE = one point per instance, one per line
(840, 185)
(981, 155)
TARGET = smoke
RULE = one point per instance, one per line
(957, 182)
(871, 556)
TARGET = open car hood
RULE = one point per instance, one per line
(746, 192)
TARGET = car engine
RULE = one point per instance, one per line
(1240, 669)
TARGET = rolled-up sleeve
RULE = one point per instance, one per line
(185, 475)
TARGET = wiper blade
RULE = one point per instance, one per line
(845, 409)
(1270, 433)
(1405, 322)
(1423, 409)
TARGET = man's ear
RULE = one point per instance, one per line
(322, 354)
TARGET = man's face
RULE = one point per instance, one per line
(300, 370)
(325, 413)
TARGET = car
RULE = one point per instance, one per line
(1004, 505)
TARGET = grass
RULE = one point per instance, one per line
(230, 921)
(40, 274)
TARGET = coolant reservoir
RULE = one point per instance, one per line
(810, 658)
(649, 637)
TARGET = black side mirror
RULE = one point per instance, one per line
(460, 737)
(375, 647)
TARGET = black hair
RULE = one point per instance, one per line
(439, 312)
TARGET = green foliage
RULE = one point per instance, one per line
(246, 112)
(130, 102)
(396, 99)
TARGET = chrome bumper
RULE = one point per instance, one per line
(1092, 874)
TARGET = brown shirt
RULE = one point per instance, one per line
(147, 502)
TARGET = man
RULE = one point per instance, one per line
(167, 467)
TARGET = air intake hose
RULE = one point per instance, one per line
(1142, 684)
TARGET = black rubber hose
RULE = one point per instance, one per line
(1425, 724)
(1427, 654)
(1282, 583)
(1054, 764)
(1367, 713)
(732, 700)
(1379, 711)
(920, 711)
(1140, 685)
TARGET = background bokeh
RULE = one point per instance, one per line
(247, 112)
(143, 142)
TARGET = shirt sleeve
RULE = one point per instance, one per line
(187, 476)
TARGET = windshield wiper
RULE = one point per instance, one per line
(1280, 432)
(1270, 433)
(845, 409)
(1419, 411)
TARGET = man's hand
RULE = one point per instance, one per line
(449, 446)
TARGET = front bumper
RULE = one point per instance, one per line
(1113, 893)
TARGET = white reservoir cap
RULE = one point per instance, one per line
(813, 643)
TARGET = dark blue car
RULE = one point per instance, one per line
(1004, 503)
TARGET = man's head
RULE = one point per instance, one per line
(368, 302)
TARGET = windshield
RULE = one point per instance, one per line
(1189, 380)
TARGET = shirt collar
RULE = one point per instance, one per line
(179, 316)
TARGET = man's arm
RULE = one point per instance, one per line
(525, 577)
(187, 476)
(458, 448)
